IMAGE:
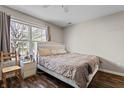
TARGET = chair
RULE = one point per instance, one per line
(16, 69)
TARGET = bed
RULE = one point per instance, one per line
(74, 69)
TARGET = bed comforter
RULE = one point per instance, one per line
(71, 65)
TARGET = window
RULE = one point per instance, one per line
(38, 34)
(24, 37)
(19, 37)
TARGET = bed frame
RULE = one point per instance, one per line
(59, 76)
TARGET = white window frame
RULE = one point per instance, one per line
(30, 32)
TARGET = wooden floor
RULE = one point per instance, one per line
(107, 80)
(43, 80)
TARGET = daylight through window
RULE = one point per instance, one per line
(24, 37)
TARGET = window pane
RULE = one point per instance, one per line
(24, 37)
(34, 49)
(23, 47)
(38, 34)
(19, 31)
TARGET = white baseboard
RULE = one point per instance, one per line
(112, 72)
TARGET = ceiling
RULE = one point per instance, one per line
(75, 13)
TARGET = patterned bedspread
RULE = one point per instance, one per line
(71, 65)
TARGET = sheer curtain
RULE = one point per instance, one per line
(4, 32)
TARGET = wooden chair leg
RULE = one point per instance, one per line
(20, 75)
(4, 80)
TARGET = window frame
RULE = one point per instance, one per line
(30, 39)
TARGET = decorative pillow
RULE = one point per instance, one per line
(58, 51)
(44, 52)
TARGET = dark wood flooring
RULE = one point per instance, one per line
(44, 80)
(107, 80)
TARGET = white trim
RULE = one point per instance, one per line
(29, 23)
(112, 72)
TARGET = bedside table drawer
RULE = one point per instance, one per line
(28, 66)
(29, 73)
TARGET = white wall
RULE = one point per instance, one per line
(56, 32)
(103, 37)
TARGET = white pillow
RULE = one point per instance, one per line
(58, 51)
(45, 52)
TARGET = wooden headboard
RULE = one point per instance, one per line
(51, 45)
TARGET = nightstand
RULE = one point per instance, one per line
(28, 68)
